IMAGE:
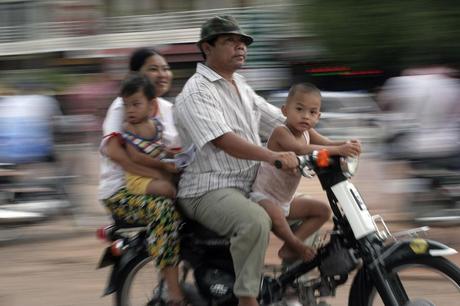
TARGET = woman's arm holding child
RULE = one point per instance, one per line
(147, 161)
(143, 159)
(116, 152)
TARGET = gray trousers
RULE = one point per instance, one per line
(230, 213)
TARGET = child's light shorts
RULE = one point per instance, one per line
(137, 184)
(256, 196)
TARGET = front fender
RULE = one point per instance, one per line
(410, 248)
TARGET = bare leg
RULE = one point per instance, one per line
(312, 212)
(171, 276)
(247, 301)
(282, 230)
(161, 188)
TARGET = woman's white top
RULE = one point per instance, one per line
(111, 174)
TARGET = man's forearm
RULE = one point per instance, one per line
(238, 147)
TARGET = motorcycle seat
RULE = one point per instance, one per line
(192, 227)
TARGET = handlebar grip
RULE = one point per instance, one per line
(278, 164)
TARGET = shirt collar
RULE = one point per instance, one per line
(213, 76)
(208, 73)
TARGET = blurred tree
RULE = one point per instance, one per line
(390, 34)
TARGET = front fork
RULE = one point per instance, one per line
(379, 259)
(388, 286)
(387, 283)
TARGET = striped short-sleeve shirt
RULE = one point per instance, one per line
(208, 107)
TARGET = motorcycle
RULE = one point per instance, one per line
(434, 197)
(27, 198)
(389, 266)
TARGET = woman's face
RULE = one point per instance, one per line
(158, 71)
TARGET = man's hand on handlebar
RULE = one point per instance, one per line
(285, 160)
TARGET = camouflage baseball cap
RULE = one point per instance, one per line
(224, 24)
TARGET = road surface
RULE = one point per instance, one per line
(54, 264)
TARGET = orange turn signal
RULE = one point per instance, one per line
(322, 159)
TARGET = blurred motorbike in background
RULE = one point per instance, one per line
(36, 177)
(435, 191)
(423, 129)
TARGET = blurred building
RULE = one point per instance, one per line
(60, 42)
(37, 33)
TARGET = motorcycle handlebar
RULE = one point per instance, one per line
(279, 165)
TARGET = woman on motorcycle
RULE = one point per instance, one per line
(155, 211)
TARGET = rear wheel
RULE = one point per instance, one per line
(423, 282)
(142, 284)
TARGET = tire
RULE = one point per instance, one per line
(426, 280)
(141, 284)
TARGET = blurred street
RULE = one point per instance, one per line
(55, 263)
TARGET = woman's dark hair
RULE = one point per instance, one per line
(139, 56)
(135, 83)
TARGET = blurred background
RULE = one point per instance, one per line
(388, 73)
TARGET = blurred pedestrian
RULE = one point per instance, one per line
(426, 103)
(27, 126)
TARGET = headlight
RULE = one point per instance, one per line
(349, 165)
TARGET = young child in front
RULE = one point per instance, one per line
(143, 136)
(275, 190)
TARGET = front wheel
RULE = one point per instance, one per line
(424, 281)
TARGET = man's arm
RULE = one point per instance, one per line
(238, 147)
(207, 124)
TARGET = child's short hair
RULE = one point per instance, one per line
(304, 88)
(136, 82)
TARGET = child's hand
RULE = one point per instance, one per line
(170, 167)
(170, 152)
(350, 148)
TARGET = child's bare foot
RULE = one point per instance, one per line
(308, 253)
(297, 251)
